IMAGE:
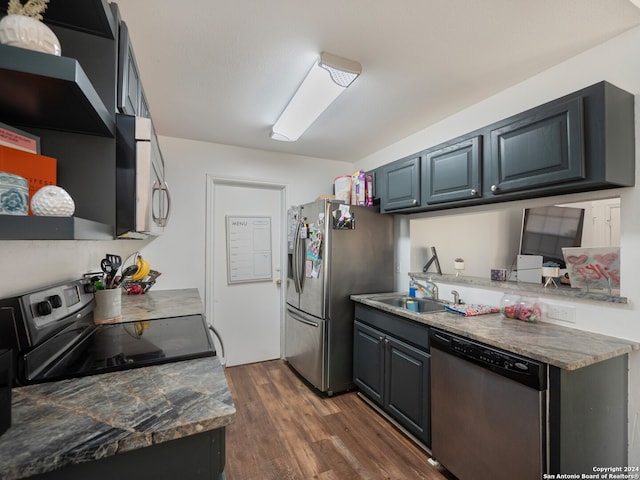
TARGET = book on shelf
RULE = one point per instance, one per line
(18, 139)
(37, 169)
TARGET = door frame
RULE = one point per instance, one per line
(209, 283)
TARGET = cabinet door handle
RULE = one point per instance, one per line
(495, 188)
(474, 192)
(386, 340)
(415, 202)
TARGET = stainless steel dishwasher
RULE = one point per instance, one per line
(488, 410)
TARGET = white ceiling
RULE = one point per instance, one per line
(222, 71)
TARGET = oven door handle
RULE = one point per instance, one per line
(217, 336)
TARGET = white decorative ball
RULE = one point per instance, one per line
(52, 201)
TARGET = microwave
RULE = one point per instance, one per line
(143, 202)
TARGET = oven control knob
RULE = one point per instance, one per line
(89, 288)
(44, 307)
(56, 301)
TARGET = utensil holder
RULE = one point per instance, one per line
(108, 307)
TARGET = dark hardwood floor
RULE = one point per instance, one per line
(284, 431)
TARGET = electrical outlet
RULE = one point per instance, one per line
(561, 312)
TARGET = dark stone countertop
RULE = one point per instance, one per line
(71, 421)
(563, 347)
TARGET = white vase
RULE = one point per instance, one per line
(52, 201)
(27, 32)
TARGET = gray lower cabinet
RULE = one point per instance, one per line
(399, 184)
(588, 417)
(199, 456)
(392, 372)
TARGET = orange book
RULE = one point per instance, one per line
(37, 169)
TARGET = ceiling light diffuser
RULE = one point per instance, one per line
(326, 80)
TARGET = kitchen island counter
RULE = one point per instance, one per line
(563, 347)
(70, 424)
(161, 304)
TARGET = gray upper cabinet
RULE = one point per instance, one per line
(540, 147)
(453, 171)
(584, 141)
(399, 184)
(70, 102)
(129, 85)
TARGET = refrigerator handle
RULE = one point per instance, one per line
(296, 259)
(299, 318)
(307, 322)
(302, 253)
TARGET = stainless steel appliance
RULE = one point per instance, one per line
(143, 202)
(53, 337)
(334, 250)
(488, 410)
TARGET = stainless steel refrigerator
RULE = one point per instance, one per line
(334, 251)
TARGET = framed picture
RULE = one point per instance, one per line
(597, 267)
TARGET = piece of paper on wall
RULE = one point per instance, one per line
(248, 249)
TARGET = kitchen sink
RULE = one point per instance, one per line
(420, 305)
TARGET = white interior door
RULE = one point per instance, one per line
(612, 217)
(248, 315)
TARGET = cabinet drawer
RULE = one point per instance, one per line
(408, 331)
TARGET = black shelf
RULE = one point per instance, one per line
(52, 228)
(88, 16)
(47, 91)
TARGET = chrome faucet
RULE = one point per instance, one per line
(456, 297)
(429, 288)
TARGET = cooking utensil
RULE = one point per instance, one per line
(109, 271)
(106, 266)
(116, 261)
(126, 273)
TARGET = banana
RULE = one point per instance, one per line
(143, 269)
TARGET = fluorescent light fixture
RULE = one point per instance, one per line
(327, 79)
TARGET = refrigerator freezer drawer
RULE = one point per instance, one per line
(305, 340)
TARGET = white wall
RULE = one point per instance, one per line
(179, 252)
(616, 61)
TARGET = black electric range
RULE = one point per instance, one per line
(53, 337)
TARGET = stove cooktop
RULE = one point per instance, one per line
(86, 349)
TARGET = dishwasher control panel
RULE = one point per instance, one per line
(523, 370)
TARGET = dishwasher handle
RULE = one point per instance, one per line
(521, 369)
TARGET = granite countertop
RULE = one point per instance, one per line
(562, 347)
(523, 287)
(82, 419)
(161, 304)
